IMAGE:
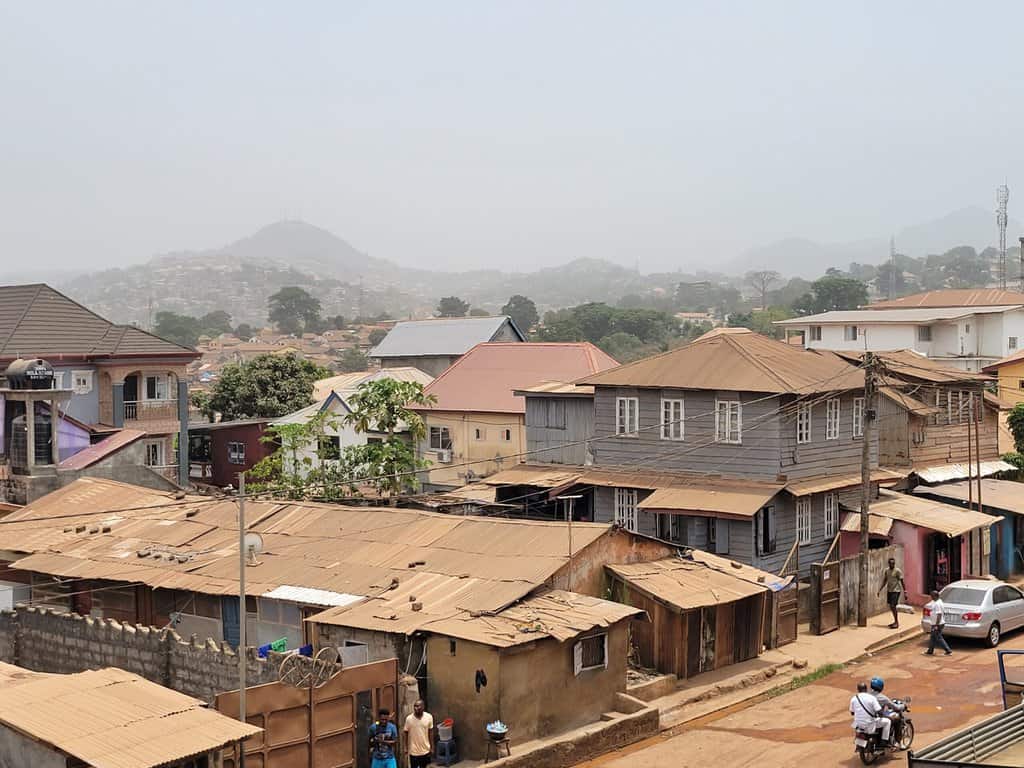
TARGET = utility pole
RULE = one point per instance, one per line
(865, 485)
(570, 506)
(241, 605)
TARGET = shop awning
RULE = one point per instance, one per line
(912, 404)
(834, 482)
(736, 500)
(933, 515)
(877, 525)
(946, 472)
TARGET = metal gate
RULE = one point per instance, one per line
(787, 600)
(825, 597)
(323, 725)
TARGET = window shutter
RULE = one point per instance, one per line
(577, 658)
(770, 514)
(718, 421)
(606, 646)
(759, 531)
(721, 536)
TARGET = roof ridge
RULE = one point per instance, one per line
(731, 340)
(21, 319)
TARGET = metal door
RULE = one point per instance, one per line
(787, 601)
(825, 586)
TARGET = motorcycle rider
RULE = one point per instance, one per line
(888, 708)
(867, 713)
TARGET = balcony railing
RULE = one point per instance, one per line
(144, 410)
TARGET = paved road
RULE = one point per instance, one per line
(811, 726)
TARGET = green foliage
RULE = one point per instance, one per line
(353, 359)
(382, 405)
(625, 347)
(523, 312)
(266, 386)
(1015, 421)
(479, 312)
(336, 323)
(452, 306)
(245, 331)
(708, 297)
(294, 310)
(625, 334)
(215, 323)
(1016, 458)
(377, 335)
(186, 330)
(799, 682)
(832, 292)
(762, 321)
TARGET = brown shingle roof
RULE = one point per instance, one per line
(484, 380)
(738, 362)
(36, 320)
(953, 297)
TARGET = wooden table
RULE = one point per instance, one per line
(494, 746)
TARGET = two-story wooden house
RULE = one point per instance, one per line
(110, 377)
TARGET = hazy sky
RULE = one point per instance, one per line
(509, 134)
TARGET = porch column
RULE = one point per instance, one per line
(30, 426)
(55, 431)
(118, 398)
(183, 433)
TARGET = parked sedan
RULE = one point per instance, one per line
(979, 609)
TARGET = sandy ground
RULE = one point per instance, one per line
(811, 726)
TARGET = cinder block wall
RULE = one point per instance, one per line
(47, 641)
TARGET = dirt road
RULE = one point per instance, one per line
(811, 726)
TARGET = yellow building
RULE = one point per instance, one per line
(476, 427)
(1010, 371)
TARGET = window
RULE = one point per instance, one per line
(81, 382)
(803, 423)
(850, 332)
(765, 523)
(590, 653)
(328, 447)
(154, 453)
(1011, 342)
(627, 415)
(506, 435)
(440, 439)
(625, 508)
(858, 417)
(478, 434)
(718, 536)
(803, 520)
(831, 515)
(236, 453)
(672, 528)
(967, 328)
(671, 419)
(832, 419)
(924, 333)
(728, 421)
(157, 387)
(815, 333)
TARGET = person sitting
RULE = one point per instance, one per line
(888, 708)
(867, 713)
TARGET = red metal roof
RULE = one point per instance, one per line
(953, 297)
(99, 451)
(484, 378)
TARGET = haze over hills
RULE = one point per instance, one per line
(240, 276)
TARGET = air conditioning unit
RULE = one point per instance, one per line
(444, 456)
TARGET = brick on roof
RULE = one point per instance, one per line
(36, 320)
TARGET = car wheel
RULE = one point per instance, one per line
(994, 634)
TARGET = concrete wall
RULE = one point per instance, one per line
(451, 690)
(18, 751)
(486, 451)
(85, 403)
(1011, 382)
(586, 571)
(380, 645)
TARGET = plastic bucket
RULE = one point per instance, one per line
(444, 732)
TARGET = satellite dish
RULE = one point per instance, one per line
(253, 546)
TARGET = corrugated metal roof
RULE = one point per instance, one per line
(879, 316)
(545, 613)
(737, 362)
(485, 379)
(311, 596)
(558, 388)
(467, 562)
(1001, 494)
(947, 472)
(849, 480)
(933, 515)
(441, 336)
(101, 450)
(877, 525)
(1014, 358)
(903, 364)
(686, 584)
(109, 718)
(954, 297)
(37, 320)
(541, 476)
(908, 403)
(739, 501)
(349, 382)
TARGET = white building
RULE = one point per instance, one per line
(986, 326)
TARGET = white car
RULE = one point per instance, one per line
(980, 609)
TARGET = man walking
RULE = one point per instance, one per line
(892, 583)
(419, 736)
(383, 737)
(934, 610)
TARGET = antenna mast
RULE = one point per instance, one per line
(892, 266)
(1002, 197)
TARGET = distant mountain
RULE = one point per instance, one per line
(800, 257)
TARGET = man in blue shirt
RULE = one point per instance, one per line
(383, 737)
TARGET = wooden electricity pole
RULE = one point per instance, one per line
(868, 420)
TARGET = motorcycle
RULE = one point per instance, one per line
(870, 747)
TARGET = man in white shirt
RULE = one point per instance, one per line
(934, 611)
(419, 736)
(867, 712)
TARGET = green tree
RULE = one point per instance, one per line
(292, 310)
(479, 312)
(266, 386)
(1015, 421)
(452, 306)
(181, 329)
(353, 359)
(377, 335)
(625, 347)
(215, 323)
(523, 312)
(762, 281)
(245, 331)
(832, 293)
(337, 322)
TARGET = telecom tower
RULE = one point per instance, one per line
(1002, 197)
